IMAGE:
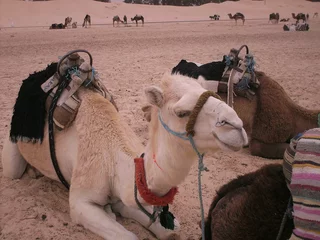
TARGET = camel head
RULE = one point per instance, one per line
(293, 15)
(217, 126)
(230, 15)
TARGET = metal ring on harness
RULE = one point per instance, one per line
(247, 50)
(69, 53)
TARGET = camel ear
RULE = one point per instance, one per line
(154, 96)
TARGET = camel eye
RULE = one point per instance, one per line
(182, 114)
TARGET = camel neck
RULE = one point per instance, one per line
(168, 160)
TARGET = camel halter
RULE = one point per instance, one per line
(188, 135)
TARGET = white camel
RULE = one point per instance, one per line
(96, 154)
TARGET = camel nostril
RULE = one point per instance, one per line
(221, 123)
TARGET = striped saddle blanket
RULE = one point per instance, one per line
(302, 172)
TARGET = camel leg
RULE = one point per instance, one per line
(89, 213)
(12, 161)
(267, 150)
(137, 215)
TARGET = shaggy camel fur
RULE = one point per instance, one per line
(271, 119)
(250, 207)
(237, 16)
(86, 21)
(96, 154)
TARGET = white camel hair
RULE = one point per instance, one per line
(96, 154)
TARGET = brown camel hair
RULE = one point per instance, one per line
(250, 207)
(271, 119)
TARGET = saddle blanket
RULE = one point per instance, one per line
(305, 186)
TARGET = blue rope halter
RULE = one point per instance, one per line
(201, 167)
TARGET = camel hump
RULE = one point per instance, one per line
(38, 90)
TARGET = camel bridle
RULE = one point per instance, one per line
(188, 135)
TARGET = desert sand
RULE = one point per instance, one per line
(129, 59)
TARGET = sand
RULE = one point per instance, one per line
(129, 59)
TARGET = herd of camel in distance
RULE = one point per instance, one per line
(87, 21)
(273, 17)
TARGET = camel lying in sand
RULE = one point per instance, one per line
(250, 207)
(274, 202)
(215, 17)
(271, 118)
(98, 152)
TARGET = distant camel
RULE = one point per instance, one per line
(138, 18)
(315, 15)
(284, 19)
(86, 20)
(57, 26)
(237, 16)
(215, 17)
(117, 19)
(274, 16)
(300, 16)
(67, 22)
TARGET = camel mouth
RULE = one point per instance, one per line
(227, 146)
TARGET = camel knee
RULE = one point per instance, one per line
(12, 161)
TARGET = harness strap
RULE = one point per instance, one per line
(62, 85)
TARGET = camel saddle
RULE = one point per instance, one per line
(81, 74)
(240, 73)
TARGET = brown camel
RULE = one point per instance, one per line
(274, 17)
(86, 21)
(137, 18)
(237, 16)
(251, 207)
(300, 16)
(315, 15)
(271, 119)
(67, 22)
(117, 19)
